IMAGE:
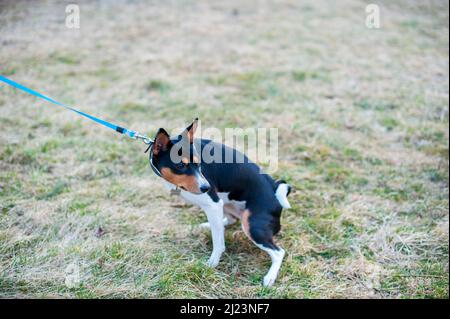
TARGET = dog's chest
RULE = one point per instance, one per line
(204, 199)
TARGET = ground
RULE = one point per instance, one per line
(363, 138)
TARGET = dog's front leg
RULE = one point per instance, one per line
(214, 212)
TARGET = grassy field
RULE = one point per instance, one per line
(363, 118)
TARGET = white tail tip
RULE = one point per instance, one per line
(281, 194)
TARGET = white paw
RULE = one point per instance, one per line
(269, 280)
(213, 261)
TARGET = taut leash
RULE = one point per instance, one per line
(119, 129)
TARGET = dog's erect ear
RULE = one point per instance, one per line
(190, 131)
(162, 142)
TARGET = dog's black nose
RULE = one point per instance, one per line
(204, 188)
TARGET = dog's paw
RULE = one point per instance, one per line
(213, 261)
(269, 280)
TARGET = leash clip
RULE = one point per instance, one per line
(147, 140)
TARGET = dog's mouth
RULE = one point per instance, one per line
(190, 191)
(199, 192)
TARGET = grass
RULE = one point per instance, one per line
(363, 138)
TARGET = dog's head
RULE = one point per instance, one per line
(177, 161)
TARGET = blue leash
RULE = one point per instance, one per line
(119, 129)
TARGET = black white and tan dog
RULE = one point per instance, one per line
(225, 190)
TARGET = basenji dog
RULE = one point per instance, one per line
(226, 190)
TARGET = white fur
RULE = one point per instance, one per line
(227, 220)
(281, 195)
(214, 213)
(226, 200)
(277, 258)
(168, 185)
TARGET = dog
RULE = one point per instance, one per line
(225, 191)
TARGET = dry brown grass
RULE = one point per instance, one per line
(363, 124)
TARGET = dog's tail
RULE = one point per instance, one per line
(282, 190)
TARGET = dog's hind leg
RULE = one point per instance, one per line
(261, 234)
(230, 216)
(231, 213)
(277, 255)
(225, 222)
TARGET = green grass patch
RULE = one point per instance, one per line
(69, 59)
(58, 188)
(389, 123)
(381, 106)
(156, 85)
(301, 76)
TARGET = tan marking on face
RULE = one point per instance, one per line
(185, 160)
(187, 182)
(245, 222)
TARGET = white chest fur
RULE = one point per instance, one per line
(203, 199)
